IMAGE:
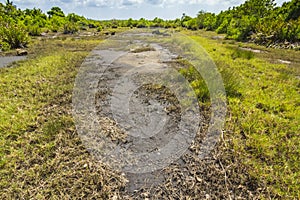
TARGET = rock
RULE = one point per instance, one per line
(284, 61)
(22, 52)
(252, 50)
(157, 32)
(219, 37)
(114, 198)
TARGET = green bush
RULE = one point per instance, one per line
(56, 23)
(4, 46)
(54, 28)
(223, 27)
(34, 30)
(192, 24)
(70, 28)
(14, 34)
(241, 29)
(99, 28)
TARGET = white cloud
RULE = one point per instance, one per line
(124, 9)
(29, 2)
(129, 3)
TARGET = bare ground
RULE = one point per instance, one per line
(219, 176)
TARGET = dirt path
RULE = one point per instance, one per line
(7, 60)
(131, 114)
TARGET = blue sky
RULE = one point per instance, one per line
(124, 9)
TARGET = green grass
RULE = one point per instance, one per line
(263, 122)
(40, 155)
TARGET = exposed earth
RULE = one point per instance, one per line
(141, 117)
(7, 60)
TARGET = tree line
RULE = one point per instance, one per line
(260, 21)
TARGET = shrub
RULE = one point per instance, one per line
(70, 28)
(34, 30)
(99, 28)
(54, 28)
(223, 27)
(241, 29)
(55, 23)
(4, 46)
(13, 34)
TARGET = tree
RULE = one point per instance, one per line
(206, 20)
(184, 20)
(142, 23)
(291, 10)
(56, 11)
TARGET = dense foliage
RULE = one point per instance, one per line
(17, 25)
(260, 21)
(257, 20)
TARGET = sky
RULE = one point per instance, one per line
(136, 9)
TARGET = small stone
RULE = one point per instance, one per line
(219, 37)
(284, 61)
(22, 52)
(199, 179)
(115, 198)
